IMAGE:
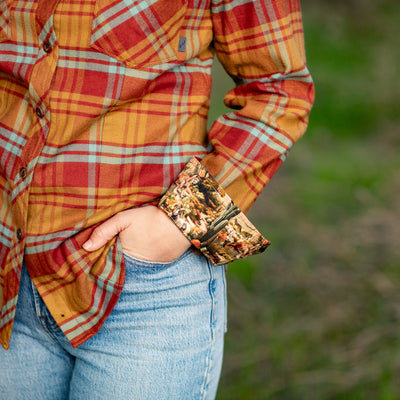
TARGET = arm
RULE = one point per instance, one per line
(260, 44)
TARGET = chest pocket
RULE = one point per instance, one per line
(139, 33)
(5, 26)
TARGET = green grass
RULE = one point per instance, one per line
(317, 316)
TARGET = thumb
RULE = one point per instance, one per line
(105, 232)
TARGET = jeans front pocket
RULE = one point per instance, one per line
(131, 261)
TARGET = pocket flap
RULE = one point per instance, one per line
(5, 27)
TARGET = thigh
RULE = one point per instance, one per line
(164, 338)
(35, 366)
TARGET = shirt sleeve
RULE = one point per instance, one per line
(260, 44)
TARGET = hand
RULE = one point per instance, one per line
(146, 233)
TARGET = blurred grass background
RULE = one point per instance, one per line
(317, 316)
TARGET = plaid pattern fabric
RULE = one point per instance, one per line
(103, 102)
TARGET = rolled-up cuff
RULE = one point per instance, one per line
(208, 217)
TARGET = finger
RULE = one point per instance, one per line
(105, 232)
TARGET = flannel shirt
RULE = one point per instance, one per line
(102, 105)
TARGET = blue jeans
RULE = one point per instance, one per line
(163, 340)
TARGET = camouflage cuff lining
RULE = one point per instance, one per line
(208, 217)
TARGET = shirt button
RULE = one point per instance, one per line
(19, 234)
(22, 172)
(39, 112)
(47, 47)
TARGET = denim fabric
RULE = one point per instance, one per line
(163, 340)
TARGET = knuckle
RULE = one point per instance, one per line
(100, 232)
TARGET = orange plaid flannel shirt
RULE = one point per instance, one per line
(103, 103)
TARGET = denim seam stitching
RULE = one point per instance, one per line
(212, 333)
(225, 299)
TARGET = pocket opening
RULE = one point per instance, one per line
(152, 264)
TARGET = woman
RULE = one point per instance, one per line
(119, 210)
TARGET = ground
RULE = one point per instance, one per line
(317, 316)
